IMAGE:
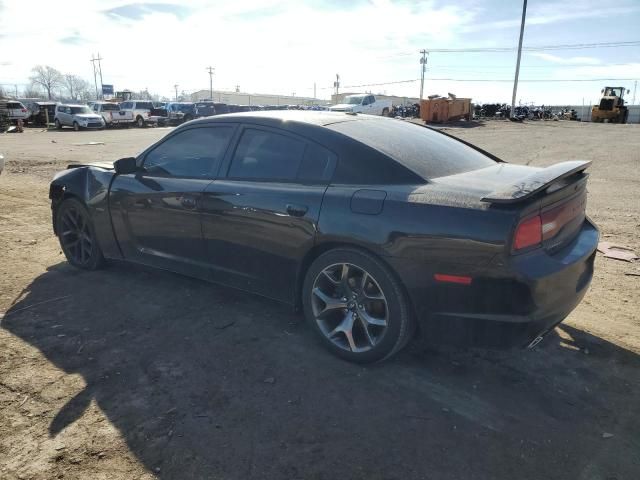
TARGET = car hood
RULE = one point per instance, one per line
(342, 106)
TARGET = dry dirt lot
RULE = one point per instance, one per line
(129, 373)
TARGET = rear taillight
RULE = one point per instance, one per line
(528, 233)
(24, 110)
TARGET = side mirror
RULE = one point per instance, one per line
(125, 166)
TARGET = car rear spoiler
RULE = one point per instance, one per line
(536, 182)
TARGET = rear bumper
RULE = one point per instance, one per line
(508, 306)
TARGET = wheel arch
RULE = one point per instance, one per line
(321, 248)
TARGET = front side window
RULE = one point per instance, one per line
(196, 152)
(264, 155)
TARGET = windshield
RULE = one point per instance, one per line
(76, 110)
(354, 99)
(613, 92)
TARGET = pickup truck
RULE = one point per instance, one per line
(141, 111)
(363, 103)
(112, 115)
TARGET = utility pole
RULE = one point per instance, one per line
(423, 62)
(314, 90)
(16, 87)
(100, 72)
(176, 87)
(211, 70)
(336, 84)
(95, 75)
(633, 101)
(515, 81)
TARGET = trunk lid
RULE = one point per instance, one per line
(556, 194)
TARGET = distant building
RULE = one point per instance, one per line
(395, 100)
(239, 98)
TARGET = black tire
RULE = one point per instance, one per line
(400, 323)
(385, 112)
(58, 124)
(139, 121)
(76, 127)
(82, 251)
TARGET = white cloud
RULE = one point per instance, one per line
(263, 45)
(566, 61)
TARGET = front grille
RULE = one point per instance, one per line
(606, 104)
(94, 124)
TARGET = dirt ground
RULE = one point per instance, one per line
(129, 373)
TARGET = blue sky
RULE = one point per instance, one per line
(284, 46)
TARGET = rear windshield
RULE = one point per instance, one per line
(142, 105)
(424, 151)
(13, 105)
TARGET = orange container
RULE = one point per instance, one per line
(445, 109)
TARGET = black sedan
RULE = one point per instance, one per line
(375, 227)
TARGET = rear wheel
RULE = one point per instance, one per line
(58, 124)
(385, 112)
(357, 306)
(77, 235)
(140, 122)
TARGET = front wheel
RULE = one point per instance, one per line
(76, 127)
(77, 235)
(357, 306)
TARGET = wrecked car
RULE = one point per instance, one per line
(377, 229)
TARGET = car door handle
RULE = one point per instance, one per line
(297, 210)
(189, 202)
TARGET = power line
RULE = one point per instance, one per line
(529, 80)
(532, 48)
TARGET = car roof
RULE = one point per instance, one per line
(275, 117)
(70, 105)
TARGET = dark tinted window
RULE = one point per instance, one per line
(14, 105)
(143, 105)
(317, 164)
(266, 155)
(125, 105)
(196, 152)
(110, 107)
(423, 151)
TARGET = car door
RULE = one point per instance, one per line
(261, 219)
(156, 211)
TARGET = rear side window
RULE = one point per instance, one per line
(317, 164)
(144, 105)
(265, 155)
(425, 152)
(14, 105)
(196, 152)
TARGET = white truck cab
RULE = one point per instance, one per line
(363, 103)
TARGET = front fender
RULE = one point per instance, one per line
(90, 185)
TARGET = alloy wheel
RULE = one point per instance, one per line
(349, 307)
(76, 236)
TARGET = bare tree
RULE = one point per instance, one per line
(76, 86)
(32, 92)
(2, 93)
(48, 78)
